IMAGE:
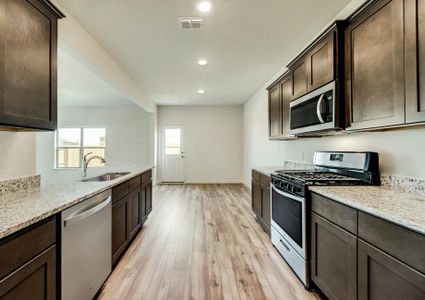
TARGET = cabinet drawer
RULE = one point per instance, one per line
(22, 247)
(265, 180)
(146, 176)
(255, 175)
(335, 212)
(405, 245)
(134, 183)
(120, 191)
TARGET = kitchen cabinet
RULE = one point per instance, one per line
(374, 66)
(360, 256)
(299, 78)
(279, 101)
(333, 259)
(274, 111)
(415, 60)
(131, 205)
(28, 263)
(320, 63)
(28, 64)
(384, 277)
(260, 199)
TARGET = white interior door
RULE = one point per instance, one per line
(173, 154)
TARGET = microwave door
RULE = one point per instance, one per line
(314, 111)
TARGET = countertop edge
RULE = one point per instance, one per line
(35, 219)
(374, 212)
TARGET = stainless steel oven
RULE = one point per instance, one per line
(315, 112)
(288, 230)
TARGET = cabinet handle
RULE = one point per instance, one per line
(286, 247)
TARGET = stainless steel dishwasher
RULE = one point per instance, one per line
(86, 247)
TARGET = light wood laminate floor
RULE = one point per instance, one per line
(202, 242)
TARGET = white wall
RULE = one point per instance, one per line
(128, 135)
(213, 141)
(17, 154)
(401, 151)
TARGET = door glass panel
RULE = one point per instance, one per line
(287, 213)
(172, 141)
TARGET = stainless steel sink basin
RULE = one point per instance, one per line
(106, 176)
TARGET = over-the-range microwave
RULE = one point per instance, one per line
(317, 112)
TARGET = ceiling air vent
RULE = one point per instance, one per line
(191, 22)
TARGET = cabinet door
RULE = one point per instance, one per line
(143, 203)
(256, 197)
(320, 66)
(149, 197)
(265, 207)
(299, 79)
(333, 259)
(120, 227)
(28, 90)
(36, 279)
(135, 220)
(415, 61)
(274, 112)
(285, 88)
(375, 66)
(383, 277)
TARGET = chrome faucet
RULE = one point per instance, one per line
(86, 161)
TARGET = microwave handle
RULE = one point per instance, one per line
(318, 108)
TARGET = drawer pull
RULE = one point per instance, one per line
(286, 246)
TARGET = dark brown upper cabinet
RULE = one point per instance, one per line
(28, 64)
(285, 92)
(415, 60)
(320, 66)
(279, 100)
(374, 66)
(299, 78)
(274, 111)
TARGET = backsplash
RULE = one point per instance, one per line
(404, 183)
(19, 184)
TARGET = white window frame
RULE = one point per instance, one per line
(81, 145)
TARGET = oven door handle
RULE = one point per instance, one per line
(319, 108)
(299, 199)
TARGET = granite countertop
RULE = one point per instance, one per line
(287, 165)
(268, 170)
(59, 190)
(403, 208)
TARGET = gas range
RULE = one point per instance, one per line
(290, 200)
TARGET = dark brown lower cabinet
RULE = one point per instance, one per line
(28, 263)
(260, 199)
(333, 259)
(135, 216)
(131, 205)
(34, 280)
(120, 227)
(384, 277)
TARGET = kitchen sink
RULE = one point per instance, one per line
(106, 176)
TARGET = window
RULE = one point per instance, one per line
(172, 141)
(73, 143)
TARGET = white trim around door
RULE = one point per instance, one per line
(173, 154)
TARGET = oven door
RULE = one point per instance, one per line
(314, 112)
(289, 219)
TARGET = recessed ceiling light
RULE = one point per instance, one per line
(201, 92)
(204, 6)
(202, 62)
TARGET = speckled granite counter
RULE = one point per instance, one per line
(402, 208)
(58, 191)
(287, 165)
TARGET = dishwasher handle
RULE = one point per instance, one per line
(86, 213)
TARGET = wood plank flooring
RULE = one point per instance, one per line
(202, 242)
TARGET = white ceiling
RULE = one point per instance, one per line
(245, 41)
(78, 85)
